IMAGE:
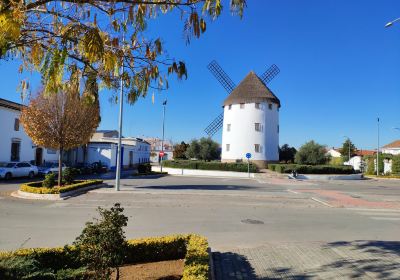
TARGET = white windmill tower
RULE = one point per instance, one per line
(250, 120)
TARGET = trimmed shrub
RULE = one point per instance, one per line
(212, 165)
(38, 188)
(314, 169)
(144, 168)
(49, 180)
(69, 175)
(396, 165)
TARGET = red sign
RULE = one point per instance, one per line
(162, 154)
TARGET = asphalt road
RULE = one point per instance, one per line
(235, 214)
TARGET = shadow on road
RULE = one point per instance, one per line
(344, 260)
(198, 187)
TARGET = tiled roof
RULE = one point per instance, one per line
(251, 90)
(394, 144)
(365, 152)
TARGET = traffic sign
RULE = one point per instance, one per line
(161, 154)
(248, 155)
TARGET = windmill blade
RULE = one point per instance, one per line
(215, 125)
(221, 76)
(271, 72)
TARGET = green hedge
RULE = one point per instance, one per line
(396, 165)
(210, 165)
(36, 187)
(193, 248)
(312, 169)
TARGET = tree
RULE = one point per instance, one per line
(83, 42)
(203, 149)
(345, 149)
(311, 153)
(102, 245)
(180, 150)
(287, 153)
(60, 121)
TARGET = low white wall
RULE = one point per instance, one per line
(329, 177)
(207, 173)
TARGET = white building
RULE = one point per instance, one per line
(251, 123)
(15, 144)
(156, 148)
(392, 148)
(335, 153)
(103, 148)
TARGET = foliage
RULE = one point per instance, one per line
(371, 163)
(213, 165)
(180, 150)
(336, 161)
(80, 43)
(68, 175)
(144, 168)
(102, 245)
(61, 261)
(203, 149)
(60, 121)
(345, 149)
(396, 165)
(287, 153)
(49, 180)
(38, 188)
(311, 153)
(311, 169)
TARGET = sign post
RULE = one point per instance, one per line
(248, 156)
(161, 157)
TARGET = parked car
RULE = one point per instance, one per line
(84, 168)
(17, 169)
(50, 167)
(98, 167)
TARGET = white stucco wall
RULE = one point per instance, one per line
(333, 153)
(393, 151)
(242, 135)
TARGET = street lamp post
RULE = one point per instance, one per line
(377, 154)
(163, 131)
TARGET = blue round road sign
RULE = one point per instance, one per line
(248, 155)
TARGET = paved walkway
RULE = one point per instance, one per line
(338, 260)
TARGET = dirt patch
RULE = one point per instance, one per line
(166, 270)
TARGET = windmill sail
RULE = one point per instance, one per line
(221, 76)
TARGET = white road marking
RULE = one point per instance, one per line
(379, 214)
(385, 218)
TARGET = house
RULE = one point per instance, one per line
(15, 144)
(156, 144)
(334, 152)
(103, 147)
(392, 148)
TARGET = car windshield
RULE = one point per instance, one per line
(10, 164)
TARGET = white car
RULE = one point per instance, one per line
(50, 167)
(17, 169)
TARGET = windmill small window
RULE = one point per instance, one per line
(257, 148)
(241, 105)
(257, 105)
(16, 124)
(257, 126)
(230, 106)
(228, 127)
(228, 147)
(270, 106)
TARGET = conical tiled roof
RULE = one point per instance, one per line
(251, 90)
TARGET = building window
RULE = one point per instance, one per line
(270, 106)
(257, 148)
(228, 147)
(15, 150)
(257, 105)
(230, 106)
(257, 126)
(16, 124)
(53, 152)
(228, 127)
(241, 105)
(278, 127)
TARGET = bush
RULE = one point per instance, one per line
(102, 246)
(311, 153)
(38, 188)
(212, 165)
(314, 169)
(396, 165)
(69, 175)
(49, 180)
(144, 168)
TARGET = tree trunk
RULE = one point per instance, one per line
(60, 166)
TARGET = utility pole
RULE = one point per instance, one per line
(163, 131)
(377, 154)
(121, 107)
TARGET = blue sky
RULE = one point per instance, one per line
(340, 69)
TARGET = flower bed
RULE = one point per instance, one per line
(36, 187)
(193, 248)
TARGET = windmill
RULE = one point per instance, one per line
(229, 85)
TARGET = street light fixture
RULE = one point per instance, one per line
(390, 23)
